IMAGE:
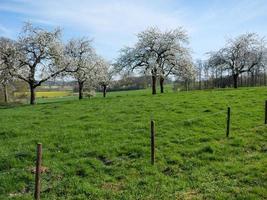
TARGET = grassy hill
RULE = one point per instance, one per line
(100, 148)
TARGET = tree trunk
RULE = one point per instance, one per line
(32, 90)
(80, 84)
(235, 78)
(104, 90)
(251, 78)
(154, 82)
(199, 83)
(5, 93)
(264, 77)
(161, 80)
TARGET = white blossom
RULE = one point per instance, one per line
(157, 53)
(239, 55)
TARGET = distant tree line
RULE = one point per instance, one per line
(210, 78)
(242, 62)
(132, 83)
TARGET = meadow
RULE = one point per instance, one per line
(99, 148)
(48, 94)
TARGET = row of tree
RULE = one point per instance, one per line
(161, 54)
(39, 55)
(208, 77)
(241, 62)
(240, 55)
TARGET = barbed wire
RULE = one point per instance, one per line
(251, 128)
(144, 126)
(116, 159)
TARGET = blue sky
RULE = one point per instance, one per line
(114, 23)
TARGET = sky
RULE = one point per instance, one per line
(113, 24)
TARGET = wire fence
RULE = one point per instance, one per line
(202, 117)
(210, 117)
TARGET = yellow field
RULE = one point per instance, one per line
(49, 94)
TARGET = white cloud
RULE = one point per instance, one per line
(114, 23)
(98, 15)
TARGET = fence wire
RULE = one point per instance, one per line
(144, 127)
(201, 117)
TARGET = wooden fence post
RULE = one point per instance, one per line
(152, 137)
(266, 112)
(38, 172)
(228, 121)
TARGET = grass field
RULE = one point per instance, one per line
(100, 148)
(48, 94)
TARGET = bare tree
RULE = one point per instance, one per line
(240, 55)
(156, 53)
(199, 68)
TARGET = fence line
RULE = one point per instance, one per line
(152, 139)
(144, 125)
(201, 117)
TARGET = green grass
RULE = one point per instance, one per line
(48, 94)
(100, 148)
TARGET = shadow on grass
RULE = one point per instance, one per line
(11, 105)
(19, 105)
